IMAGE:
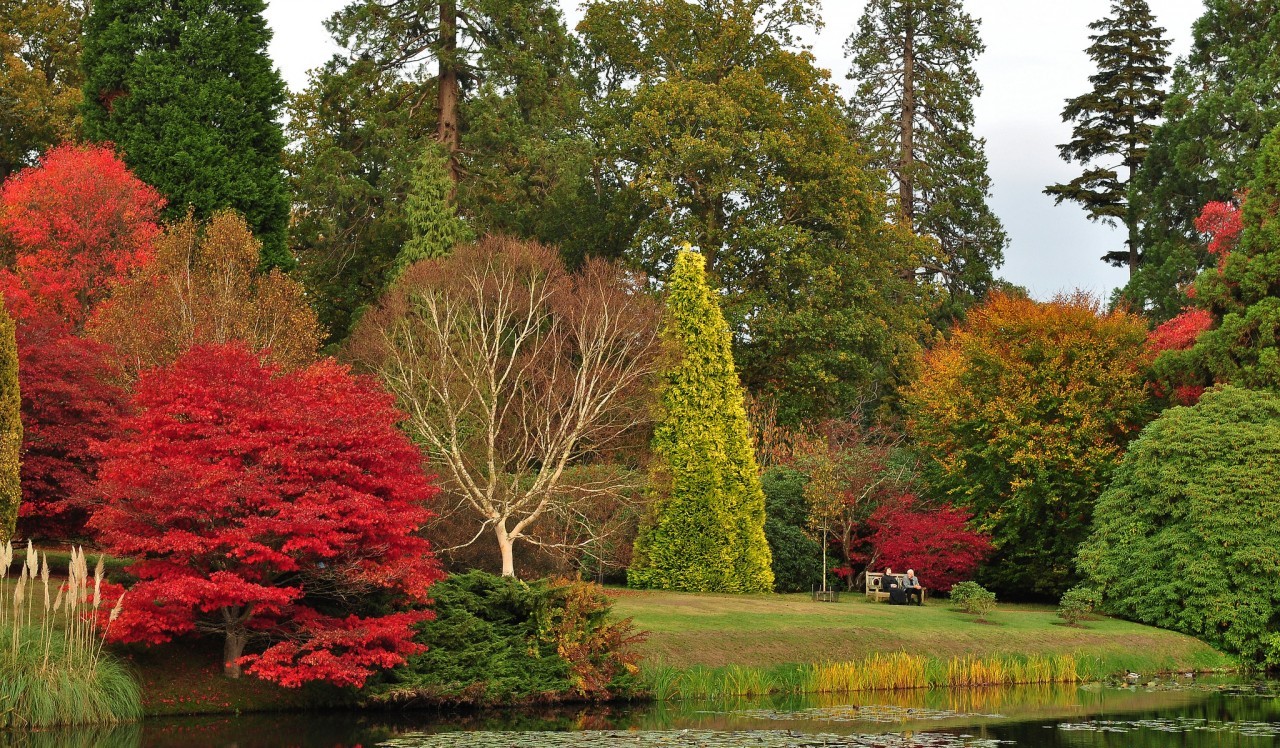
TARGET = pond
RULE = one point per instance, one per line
(1183, 712)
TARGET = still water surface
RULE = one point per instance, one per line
(1181, 712)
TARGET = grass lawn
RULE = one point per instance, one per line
(687, 630)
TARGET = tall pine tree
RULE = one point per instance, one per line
(1221, 105)
(187, 92)
(1114, 122)
(913, 65)
(10, 426)
(707, 529)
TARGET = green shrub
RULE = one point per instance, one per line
(973, 599)
(963, 590)
(1078, 603)
(499, 640)
(706, 531)
(1187, 537)
(797, 558)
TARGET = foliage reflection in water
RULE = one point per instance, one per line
(1178, 713)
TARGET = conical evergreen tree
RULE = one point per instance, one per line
(706, 533)
(434, 225)
(187, 92)
(10, 427)
(1114, 122)
(1221, 105)
(913, 63)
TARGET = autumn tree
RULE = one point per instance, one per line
(10, 428)
(1221, 106)
(204, 286)
(189, 95)
(711, 125)
(1114, 122)
(1023, 414)
(855, 466)
(913, 68)
(77, 222)
(39, 78)
(71, 399)
(935, 542)
(513, 372)
(706, 529)
(367, 116)
(269, 525)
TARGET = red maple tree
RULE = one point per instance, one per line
(270, 507)
(1223, 223)
(69, 401)
(935, 542)
(76, 222)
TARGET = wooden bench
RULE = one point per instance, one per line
(878, 592)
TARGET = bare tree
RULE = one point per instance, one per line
(513, 371)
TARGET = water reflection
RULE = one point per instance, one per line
(1175, 714)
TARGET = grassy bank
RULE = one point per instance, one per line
(706, 644)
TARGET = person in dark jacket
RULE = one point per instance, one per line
(892, 584)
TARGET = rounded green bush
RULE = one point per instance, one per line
(1187, 537)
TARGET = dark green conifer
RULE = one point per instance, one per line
(1222, 103)
(913, 64)
(1114, 121)
(707, 529)
(10, 427)
(187, 92)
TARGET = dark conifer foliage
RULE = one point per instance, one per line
(1114, 121)
(1224, 99)
(913, 63)
(187, 92)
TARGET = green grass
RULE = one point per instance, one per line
(765, 631)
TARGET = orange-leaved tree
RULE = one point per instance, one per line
(204, 286)
(1023, 413)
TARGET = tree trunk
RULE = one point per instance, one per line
(906, 160)
(1131, 222)
(232, 650)
(505, 545)
(449, 91)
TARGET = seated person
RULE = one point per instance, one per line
(892, 584)
(911, 587)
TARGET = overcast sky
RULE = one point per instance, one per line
(1034, 61)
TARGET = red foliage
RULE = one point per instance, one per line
(1221, 222)
(262, 504)
(68, 402)
(1180, 333)
(77, 222)
(936, 543)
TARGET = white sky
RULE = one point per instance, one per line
(1034, 61)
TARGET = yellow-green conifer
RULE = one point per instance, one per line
(10, 427)
(706, 533)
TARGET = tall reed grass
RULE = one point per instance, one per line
(878, 672)
(51, 639)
